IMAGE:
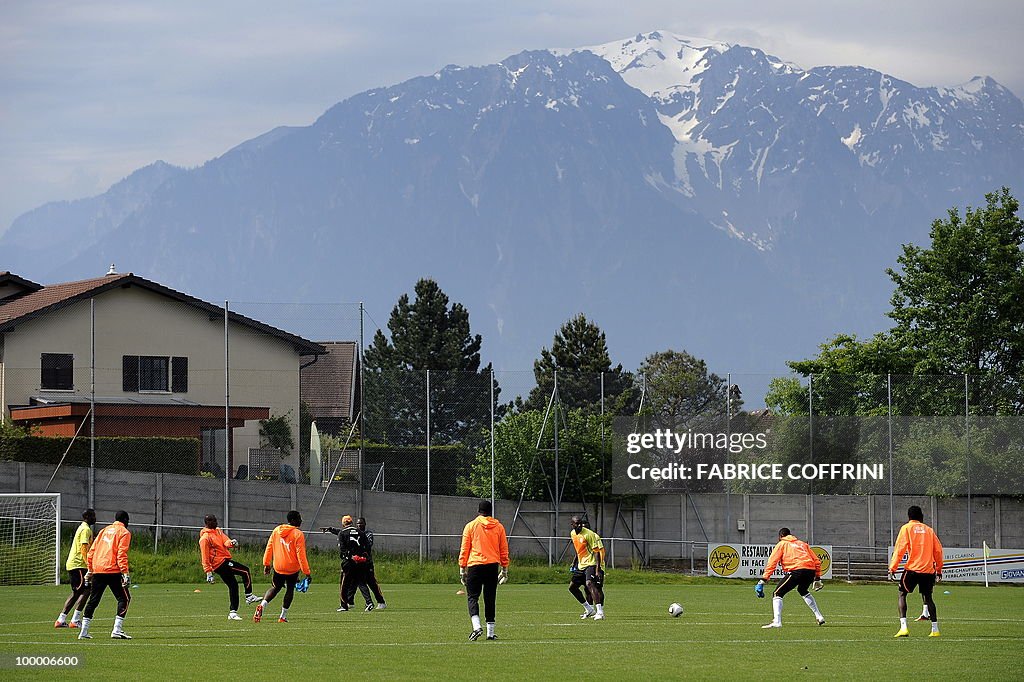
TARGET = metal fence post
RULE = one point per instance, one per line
(226, 521)
(492, 438)
(92, 403)
(967, 452)
(892, 511)
(428, 461)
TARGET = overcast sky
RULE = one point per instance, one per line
(93, 90)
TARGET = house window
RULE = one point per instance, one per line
(56, 371)
(154, 373)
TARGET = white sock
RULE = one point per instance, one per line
(490, 629)
(924, 612)
(263, 603)
(809, 598)
(600, 609)
(284, 612)
(777, 610)
(476, 622)
(903, 623)
(118, 623)
(935, 626)
(85, 625)
(587, 608)
(62, 618)
(232, 613)
(76, 617)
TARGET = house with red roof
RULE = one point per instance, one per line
(121, 355)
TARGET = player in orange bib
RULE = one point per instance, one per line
(108, 567)
(286, 551)
(483, 565)
(802, 567)
(922, 570)
(215, 552)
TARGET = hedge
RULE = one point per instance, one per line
(162, 455)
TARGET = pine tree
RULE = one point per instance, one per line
(426, 334)
(579, 353)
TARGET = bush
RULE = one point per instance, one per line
(161, 455)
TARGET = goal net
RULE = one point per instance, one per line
(30, 539)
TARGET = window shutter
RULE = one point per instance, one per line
(179, 375)
(64, 375)
(130, 373)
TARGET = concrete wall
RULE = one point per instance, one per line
(666, 527)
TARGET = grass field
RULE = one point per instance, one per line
(423, 634)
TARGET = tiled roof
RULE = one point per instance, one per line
(327, 385)
(18, 310)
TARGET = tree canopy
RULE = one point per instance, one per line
(579, 353)
(957, 308)
(427, 333)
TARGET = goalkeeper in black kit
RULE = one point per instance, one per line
(369, 575)
(354, 551)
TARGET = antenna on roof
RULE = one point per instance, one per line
(112, 270)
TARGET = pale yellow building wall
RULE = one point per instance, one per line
(135, 321)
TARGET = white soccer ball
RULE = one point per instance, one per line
(675, 609)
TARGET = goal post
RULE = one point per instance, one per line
(30, 538)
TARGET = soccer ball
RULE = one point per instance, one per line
(675, 610)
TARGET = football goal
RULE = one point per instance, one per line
(30, 538)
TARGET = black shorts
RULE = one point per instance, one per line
(592, 576)
(76, 576)
(801, 579)
(577, 578)
(285, 579)
(912, 579)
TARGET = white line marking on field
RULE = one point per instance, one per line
(337, 645)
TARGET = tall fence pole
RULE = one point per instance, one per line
(728, 439)
(492, 437)
(428, 462)
(226, 521)
(604, 452)
(362, 412)
(892, 510)
(92, 404)
(810, 430)
(967, 452)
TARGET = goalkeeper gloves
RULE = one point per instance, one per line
(503, 575)
(462, 575)
(234, 543)
(303, 585)
(209, 577)
(125, 579)
(87, 579)
(358, 559)
(892, 575)
(817, 585)
(759, 589)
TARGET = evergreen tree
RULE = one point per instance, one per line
(579, 353)
(426, 334)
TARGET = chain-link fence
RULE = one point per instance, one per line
(139, 398)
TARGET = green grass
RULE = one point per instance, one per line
(422, 635)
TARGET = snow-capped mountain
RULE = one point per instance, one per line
(683, 193)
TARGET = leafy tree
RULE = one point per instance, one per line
(427, 333)
(521, 468)
(276, 432)
(680, 391)
(959, 305)
(957, 308)
(579, 353)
